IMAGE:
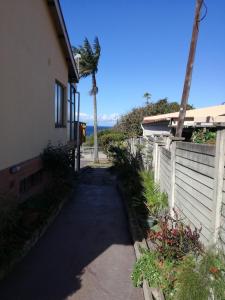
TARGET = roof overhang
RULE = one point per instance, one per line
(58, 20)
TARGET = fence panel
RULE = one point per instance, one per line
(165, 171)
(192, 177)
(194, 183)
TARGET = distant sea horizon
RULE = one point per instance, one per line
(90, 129)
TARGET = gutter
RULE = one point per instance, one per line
(60, 26)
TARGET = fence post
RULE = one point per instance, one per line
(173, 148)
(155, 160)
(218, 183)
(173, 170)
(158, 163)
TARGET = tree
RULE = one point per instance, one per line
(147, 96)
(88, 66)
(130, 123)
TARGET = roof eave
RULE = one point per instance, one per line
(57, 16)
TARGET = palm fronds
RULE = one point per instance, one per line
(89, 57)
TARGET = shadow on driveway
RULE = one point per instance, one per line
(86, 254)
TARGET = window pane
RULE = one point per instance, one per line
(72, 133)
(56, 104)
(68, 91)
(68, 110)
(68, 130)
(60, 105)
(73, 95)
(73, 117)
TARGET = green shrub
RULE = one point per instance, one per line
(106, 138)
(203, 136)
(58, 160)
(192, 278)
(155, 201)
(202, 278)
(158, 273)
(109, 138)
(128, 167)
(173, 239)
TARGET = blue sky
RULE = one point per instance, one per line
(145, 45)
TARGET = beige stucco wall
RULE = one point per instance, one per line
(31, 60)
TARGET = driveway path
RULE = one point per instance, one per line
(85, 255)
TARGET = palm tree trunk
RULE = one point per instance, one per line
(94, 88)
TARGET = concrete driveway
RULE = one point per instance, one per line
(86, 254)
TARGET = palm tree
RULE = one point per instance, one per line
(88, 65)
(147, 96)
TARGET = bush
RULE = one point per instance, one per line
(203, 136)
(110, 137)
(58, 160)
(128, 167)
(192, 278)
(155, 201)
(202, 278)
(174, 240)
(158, 273)
(130, 123)
(106, 138)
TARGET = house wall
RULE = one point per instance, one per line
(31, 61)
(156, 129)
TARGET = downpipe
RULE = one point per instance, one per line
(77, 154)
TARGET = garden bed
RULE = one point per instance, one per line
(139, 243)
(21, 225)
(30, 221)
(172, 264)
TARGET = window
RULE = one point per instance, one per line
(59, 104)
(71, 112)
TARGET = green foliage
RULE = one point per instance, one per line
(201, 279)
(110, 137)
(158, 273)
(88, 63)
(58, 160)
(88, 66)
(106, 138)
(128, 167)
(203, 136)
(130, 123)
(147, 96)
(192, 278)
(155, 201)
(173, 239)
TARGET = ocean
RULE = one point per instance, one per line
(90, 129)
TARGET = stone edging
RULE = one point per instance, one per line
(139, 242)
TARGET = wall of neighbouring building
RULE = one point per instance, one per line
(153, 129)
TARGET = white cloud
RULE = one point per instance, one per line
(108, 118)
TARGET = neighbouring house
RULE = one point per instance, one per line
(38, 79)
(163, 126)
